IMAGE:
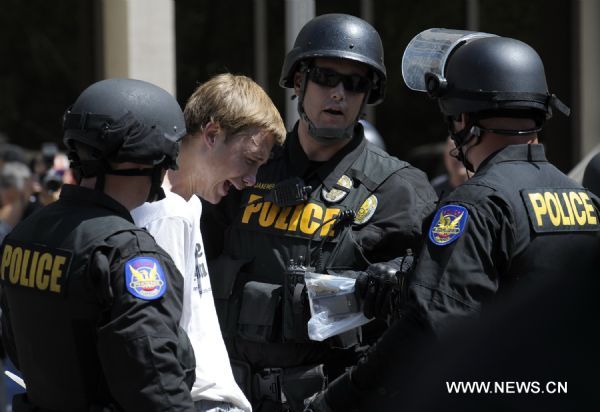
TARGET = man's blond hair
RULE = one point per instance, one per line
(234, 102)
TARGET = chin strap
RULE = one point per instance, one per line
(462, 138)
(156, 191)
(474, 130)
(100, 168)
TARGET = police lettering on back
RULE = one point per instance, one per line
(560, 210)
(40, 268)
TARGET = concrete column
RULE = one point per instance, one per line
(587, 104)
(139, 40)
(472, 16)
(297, 13)
(367, 13)
(261, 72)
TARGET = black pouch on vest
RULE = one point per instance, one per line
(224, 277)
(259, 312)
(296, 310)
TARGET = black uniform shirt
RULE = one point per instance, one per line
(91, 307)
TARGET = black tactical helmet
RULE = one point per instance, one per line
(492, 74)
(126, 120)
(338, 36)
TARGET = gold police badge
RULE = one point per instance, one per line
(366, 211)
(336, 195)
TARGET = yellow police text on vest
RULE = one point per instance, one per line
(305, 218)
(33, 267)
(561, 209)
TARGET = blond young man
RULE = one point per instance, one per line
(232, 126)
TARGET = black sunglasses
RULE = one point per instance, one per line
(330, 78)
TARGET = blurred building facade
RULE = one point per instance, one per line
(52, 50)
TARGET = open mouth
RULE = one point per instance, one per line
(334, 112)
(227, 184)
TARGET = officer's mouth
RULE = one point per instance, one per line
(334, 112)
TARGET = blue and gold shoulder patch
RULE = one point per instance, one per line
(144, 278)
(448, 224)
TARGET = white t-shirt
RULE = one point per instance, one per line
(175, 224)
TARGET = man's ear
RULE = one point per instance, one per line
(210, 133)
(460, 122)
(298, 82)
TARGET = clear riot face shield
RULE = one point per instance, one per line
(425, 57)
(424, 67)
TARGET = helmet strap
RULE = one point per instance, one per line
(462, 138)
(99, 183)
(474, 129)
(156, 191)
(537, 116)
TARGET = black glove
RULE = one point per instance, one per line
(316, 403)
(377, 285)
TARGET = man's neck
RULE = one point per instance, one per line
(315, 150)
(180, 183)
(129, 191)
(491, 143)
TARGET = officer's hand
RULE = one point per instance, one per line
(316, 403)
(375, 287)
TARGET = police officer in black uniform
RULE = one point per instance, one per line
(328, 200)
(91, 304)
(518, 220)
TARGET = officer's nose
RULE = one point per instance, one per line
(337, 92)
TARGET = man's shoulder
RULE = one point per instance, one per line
(133, 243)
(473, 191)
(481, 197)
(377, 154)
(373, 166)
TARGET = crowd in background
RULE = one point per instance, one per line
(29, 180)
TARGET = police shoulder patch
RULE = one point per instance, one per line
(145, 278)
(448, 224)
